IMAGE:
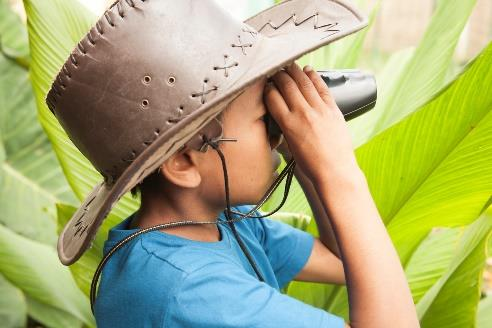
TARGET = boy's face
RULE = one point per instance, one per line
(252, 160)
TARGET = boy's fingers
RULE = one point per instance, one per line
(306, 86)
(290, 91)
(275, 103)
(321, 87)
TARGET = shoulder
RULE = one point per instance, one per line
(269, 230)
(253, 224)
(185, 259)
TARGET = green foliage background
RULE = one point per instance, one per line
(426, 150)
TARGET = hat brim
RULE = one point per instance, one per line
(296, 34)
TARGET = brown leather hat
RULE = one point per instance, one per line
(150, 77)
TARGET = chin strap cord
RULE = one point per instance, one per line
(287, 171)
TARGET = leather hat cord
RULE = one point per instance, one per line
(287, 171)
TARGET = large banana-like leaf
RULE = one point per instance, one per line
(13, 307)
(422, 76)
(296, 201)
(51, 316)
(13, 36)
(431, 259)
(35, 268)
(437, 163)
(451, 284)
(484, 315)
(54, 29)
(31, 180)
(453, 299)
(432, 169)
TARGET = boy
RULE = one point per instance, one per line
(204, 280)
(196, 275)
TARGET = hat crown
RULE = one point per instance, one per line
(143, 67)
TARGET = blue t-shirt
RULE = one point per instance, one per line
(163, 280)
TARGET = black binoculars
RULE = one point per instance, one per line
(354, 92)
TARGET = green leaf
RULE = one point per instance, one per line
(361, 128)
(13, 308)
(36, 269)
(13, 36)
(27, 160)
(484, 315)
(296, 201)
(453, 300)
(51, 316)
(437, 165)
(296, 220)
(431, 259)
(28, 167)
(424, 75)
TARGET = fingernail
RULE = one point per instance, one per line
(308, 68)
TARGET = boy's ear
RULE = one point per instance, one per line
(182, 169)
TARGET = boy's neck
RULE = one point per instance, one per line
(163, 203)
(198, 232)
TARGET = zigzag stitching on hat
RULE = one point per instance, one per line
(293, 17)
(253, 33)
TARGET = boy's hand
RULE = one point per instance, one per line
(312, 124)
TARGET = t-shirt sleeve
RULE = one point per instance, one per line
(223, 296)
(287, 248)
